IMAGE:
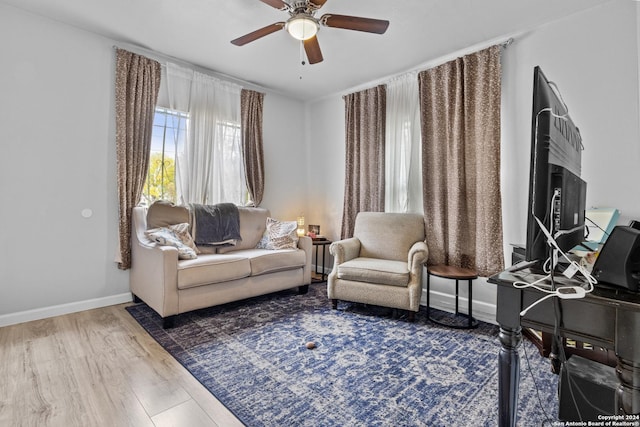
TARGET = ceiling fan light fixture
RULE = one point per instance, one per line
(302, 26)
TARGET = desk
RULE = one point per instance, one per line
(608, 317)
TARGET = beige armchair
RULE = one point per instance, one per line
(382, 263)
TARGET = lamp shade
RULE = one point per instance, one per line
(302, 26)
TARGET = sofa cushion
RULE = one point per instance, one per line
(252, 226)
(162, 214)
(214, 268)
(372, 270)
(268, 261)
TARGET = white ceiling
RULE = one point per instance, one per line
(200, 31)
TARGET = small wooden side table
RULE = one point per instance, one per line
(455, 273)
(317, 243)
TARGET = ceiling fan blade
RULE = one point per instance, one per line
(357, 23)
(312, 49)
(264, 31)
(317, 4)
(278, 4)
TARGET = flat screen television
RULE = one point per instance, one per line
(557, 194)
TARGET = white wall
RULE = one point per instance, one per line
(593, 57)
(327, 164)
(58, 158)
(285, 157)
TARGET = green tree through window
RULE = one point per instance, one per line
(168, 135)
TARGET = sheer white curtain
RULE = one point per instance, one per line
(403, 182)
(209, 167)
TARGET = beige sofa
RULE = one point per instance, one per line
(172, 286)
(382, 263)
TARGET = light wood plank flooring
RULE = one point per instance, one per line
(97, 368)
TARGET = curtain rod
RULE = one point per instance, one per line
(160, 57)
(505, 44)
(434, 63)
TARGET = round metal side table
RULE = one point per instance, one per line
(454, 273)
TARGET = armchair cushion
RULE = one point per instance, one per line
(388, 235)
(375, 271)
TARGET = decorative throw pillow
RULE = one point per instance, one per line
(182, 232)
(167, 237)
(282, 234)
(263, 243)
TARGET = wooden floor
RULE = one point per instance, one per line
(97, 368)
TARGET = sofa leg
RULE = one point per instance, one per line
(412, 316)
(303, 289)
(136, 299)
(334, 304)
(169, 322)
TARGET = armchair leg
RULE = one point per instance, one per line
(136, 299)
(412, 316)
(334, 304)
(303, 289)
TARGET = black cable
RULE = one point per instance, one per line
(570, 382)
(597, 226)
(547, 418)
(586, 399)
(557, 339)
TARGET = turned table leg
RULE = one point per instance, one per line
(628, 392)
(508, 375)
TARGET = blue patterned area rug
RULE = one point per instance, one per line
(371, 367)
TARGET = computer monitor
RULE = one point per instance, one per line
(557, 194)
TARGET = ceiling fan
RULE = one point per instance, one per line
(303, 25)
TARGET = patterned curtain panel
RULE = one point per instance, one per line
(137, 85)
(460, 110)
(251, 116)
(365, 153)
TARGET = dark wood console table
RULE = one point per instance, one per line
(608, 317)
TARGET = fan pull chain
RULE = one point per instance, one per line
(302, 58)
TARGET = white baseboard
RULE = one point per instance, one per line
(319, 270)
(481, 310)
(58, 310)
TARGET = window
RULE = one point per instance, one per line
(197, 146)
(403, 158)
(223, 179)
(169, 134)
